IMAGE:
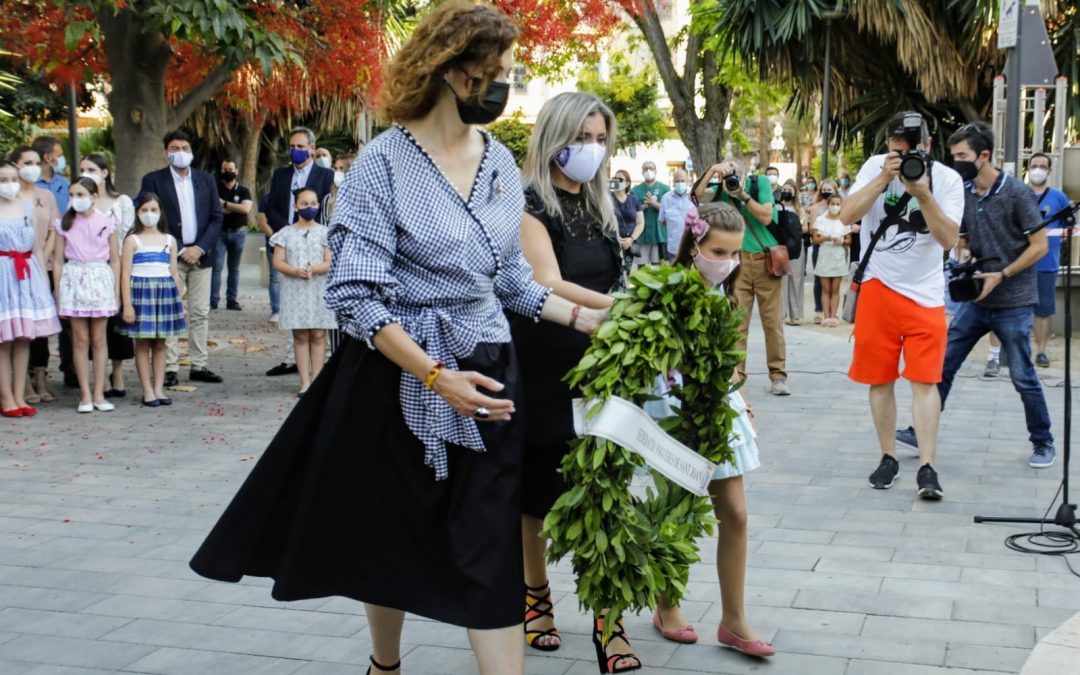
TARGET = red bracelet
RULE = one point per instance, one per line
(574, 315)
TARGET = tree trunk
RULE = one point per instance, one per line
(138, 65)
(249, 160)
(763, 137)
(702, 135)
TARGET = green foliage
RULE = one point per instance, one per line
(231, 29)
(633, 98)
(101, 140)
(12, 130)
(514, 134)
(625, 550)
(751, 97)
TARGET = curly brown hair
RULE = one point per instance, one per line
(456, 33)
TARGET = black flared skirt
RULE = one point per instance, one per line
(342, 504)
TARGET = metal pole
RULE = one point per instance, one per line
(825, 101)
(73, 130)
(1061, 92)
(1039, 120)
(1012, 106)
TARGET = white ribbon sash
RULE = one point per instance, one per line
(622, 422)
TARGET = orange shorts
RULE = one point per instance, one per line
(886, 324)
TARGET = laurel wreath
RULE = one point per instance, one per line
(626, 550)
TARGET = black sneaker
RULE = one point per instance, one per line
(282, 369)
(234, 306)
(907, 437)
(204, 375)
(884, 476)
(929, 487)
(171, 380)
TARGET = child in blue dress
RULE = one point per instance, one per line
(27, 309)
(711, 242)
(150, 289)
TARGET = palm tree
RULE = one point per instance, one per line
(938, 57)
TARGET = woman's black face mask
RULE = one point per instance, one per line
(476, 110)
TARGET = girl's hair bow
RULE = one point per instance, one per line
(697, 226)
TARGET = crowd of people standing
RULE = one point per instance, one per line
(105, 317)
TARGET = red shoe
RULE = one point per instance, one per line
(17, 412)
(29, 412)
(748, 647)
(686, 635)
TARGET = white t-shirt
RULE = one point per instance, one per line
(907, 259)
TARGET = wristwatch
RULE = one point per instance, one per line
(747, 199)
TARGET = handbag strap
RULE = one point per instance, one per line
(891, 214)
(750, 227)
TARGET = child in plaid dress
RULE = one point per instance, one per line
(150, 290)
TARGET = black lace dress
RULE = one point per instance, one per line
(591, 258)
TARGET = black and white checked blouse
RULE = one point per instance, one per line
(408, 249)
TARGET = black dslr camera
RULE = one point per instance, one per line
(732, 182)
(965, 286)
(914, 162)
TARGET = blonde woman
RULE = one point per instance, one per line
(570, 236)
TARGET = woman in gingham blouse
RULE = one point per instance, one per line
(377, 487)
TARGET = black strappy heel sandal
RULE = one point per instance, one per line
(538, 606)
(381, 668)
(603, 661)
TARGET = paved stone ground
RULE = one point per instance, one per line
(100, 513)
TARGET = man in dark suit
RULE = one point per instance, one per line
(190, 200)
(303, 173)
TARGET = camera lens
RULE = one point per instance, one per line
(912, 167)
(732, 183)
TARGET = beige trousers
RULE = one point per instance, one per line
(755, 284)
(197, 282)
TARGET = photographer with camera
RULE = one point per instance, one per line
(999, 281)
(754, 199)
(910, 208)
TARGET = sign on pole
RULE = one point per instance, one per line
(1007, 24)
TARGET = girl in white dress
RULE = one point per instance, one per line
(302, 257)
(712, 242)
(834, 238)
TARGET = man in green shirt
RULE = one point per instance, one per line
(754, 198)
(653, 239)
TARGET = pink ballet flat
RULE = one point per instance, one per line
(686, 636)
(748, 647)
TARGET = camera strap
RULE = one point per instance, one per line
(892, 217)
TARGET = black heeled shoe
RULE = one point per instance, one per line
(537, 606)
(607, 663)
(381, 668)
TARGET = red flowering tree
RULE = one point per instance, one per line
(258, 60)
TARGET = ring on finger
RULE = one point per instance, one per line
(482, 413)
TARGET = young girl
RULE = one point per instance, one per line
(150, 290)
(711, 242)
(86, 266)
(302, 257)
(43, 211)
(120, 208)
(832, 264)
(26, 306)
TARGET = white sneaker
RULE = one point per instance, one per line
(274, 318)
(103, 407)
(86, 407)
